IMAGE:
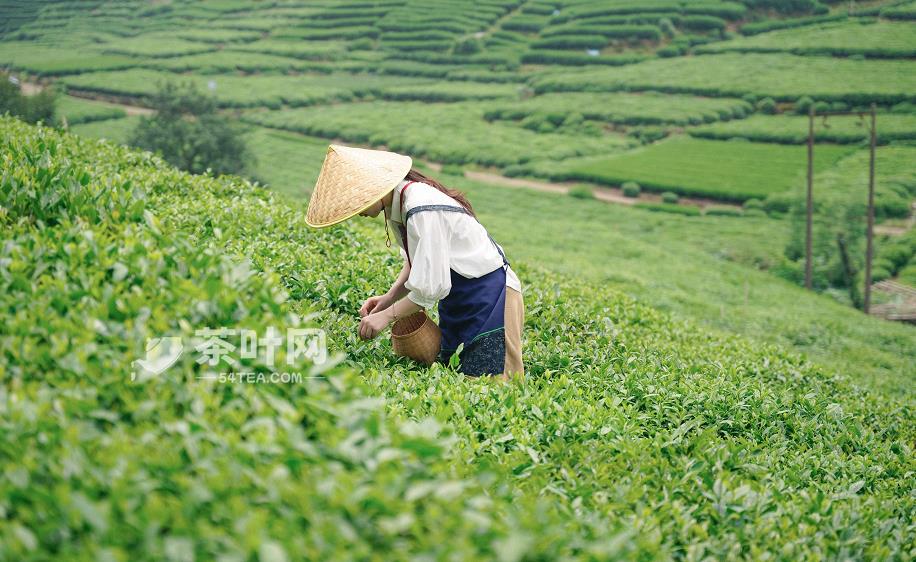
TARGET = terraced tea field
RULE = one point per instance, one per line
(684, 399)
(725, 170)
(606, 425)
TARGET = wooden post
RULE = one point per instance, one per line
(869, 249)
(810, 207)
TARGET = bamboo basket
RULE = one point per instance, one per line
(416, 336)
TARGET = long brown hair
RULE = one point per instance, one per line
(415, 175)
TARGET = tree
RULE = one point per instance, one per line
(187, 132)
(32, 109)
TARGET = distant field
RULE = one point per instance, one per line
(115, 130)
(44, 59)
(77, 110)
(453, 132)
(624, 108)
(228, 61)
(793, 129)
(895, 179)
(157, 44)
(731, 171)
(208, 35)
(880, 39)
(781, 76)
(314, 50)
(451, 91)
(287, 162)
(243, 91)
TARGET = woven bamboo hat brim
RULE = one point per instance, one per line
(351, 180)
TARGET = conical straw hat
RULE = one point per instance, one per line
(351, 180)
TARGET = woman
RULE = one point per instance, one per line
(448, 257)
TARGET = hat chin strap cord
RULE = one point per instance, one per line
(387, 230)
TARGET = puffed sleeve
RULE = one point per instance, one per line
(430, 274)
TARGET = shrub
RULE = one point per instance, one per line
(32, 109)
(468, 46)
(571, 42)
(908, 274)
(670, 51)
(803, 104)
(577, 59)
(703, 23)
(723, 211)
(757, 213)
(879, 273)
(753, 203)
(778, 202)
(670, 197)
(667, 27)
(766, 105)
(630, 189)
(581, 192)
(188, 132)
(686, 210)
(364, 44)
(453, 169)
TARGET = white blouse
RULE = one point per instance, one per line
(439, 241)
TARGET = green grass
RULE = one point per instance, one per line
(77, 110)
(217, 35)
(895, 180)
(635, 436)
(242, 91)
(156, 44)
(451, 91)
(310, 50)
(781, 76)
(624, 108)
(227, 61)
(53, 60)
(698, 268)
(850, 37)
(730, 171)
(287, 162)
(418, 130)
(115, 130)
(793, 129)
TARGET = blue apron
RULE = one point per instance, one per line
(473, 311)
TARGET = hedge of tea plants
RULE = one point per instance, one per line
(844, 38)
(646, 108)
(634, 436)
(724, 170)
(418, 130)
(793, 129)
(780, 76)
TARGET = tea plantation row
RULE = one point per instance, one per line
(634, 436)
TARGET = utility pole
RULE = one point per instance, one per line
(810, 208)
(871, 215)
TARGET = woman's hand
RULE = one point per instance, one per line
(371, 325)
(375, 304)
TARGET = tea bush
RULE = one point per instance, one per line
(630, 189)
(633, 436)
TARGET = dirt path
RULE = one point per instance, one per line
(894, 230)
(112, 101)
(602, 193)
(32, 88)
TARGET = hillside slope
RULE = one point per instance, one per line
(634, 435)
